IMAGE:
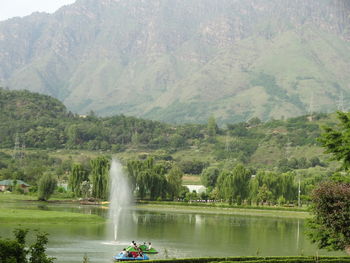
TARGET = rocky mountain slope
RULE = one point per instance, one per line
(182, 61)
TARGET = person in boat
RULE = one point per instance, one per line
(133, 244)
(149, 246)
(130, 255)
(125, 253)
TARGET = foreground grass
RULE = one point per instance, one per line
(33, 216)
(205, 209)
(27, 216)
(287, 259)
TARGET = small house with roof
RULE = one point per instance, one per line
(6, 185)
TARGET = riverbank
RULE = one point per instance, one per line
(25, 215)
(182, 207)
(206, 209)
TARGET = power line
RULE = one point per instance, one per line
(311, 107)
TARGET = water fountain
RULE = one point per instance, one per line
(119, 197)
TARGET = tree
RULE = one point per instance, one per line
(241, 178)
(264, 194)
(46, 187)
(78, 175)
(330, 226)
(209, 176)
(15, 251)
(174, 179)
(37, 250)
(100, 175)
(337, 140)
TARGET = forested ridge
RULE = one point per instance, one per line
(42, 122)
(263, 159)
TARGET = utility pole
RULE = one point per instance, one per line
(16, 148)
(340, 104)
(227, 146)
(288, 149)
(311, 107)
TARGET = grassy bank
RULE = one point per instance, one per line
(27, 216)
(217, 209)
(33, 216)
(207, 208)
(8, 197)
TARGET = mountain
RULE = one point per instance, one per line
(183, 61)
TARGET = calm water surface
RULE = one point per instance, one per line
(173, 234)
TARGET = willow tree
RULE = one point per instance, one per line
(100, 177)
(77, 177)
(134, 168)
(174, 179)
(46, 187)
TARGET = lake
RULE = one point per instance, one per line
(173, 234)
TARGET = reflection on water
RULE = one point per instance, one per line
(175, 235)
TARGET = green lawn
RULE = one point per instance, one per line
(27, 216)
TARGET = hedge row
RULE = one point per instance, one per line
(296, 260)
(291, 259)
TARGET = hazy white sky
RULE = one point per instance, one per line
(12, 8)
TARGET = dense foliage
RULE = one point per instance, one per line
(336, 140)
(30, 120)
(16, 251)
(46, 186)
(153, 180)
(38, 121)
(330, 226)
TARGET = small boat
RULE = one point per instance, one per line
(144, 249)
(121, 257)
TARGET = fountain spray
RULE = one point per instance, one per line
(119, 197)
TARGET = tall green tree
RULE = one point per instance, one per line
(174, 179)
(77, 177)
(336, 140)
(46, 187)
(209, 176)
(241, 178)
(100, 177)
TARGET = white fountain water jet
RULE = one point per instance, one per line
(119, 197)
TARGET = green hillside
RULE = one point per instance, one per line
(39, 122)
(180, 62)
